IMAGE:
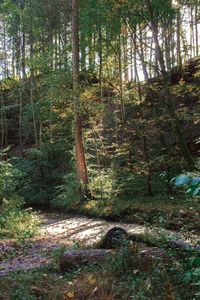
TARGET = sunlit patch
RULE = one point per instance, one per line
(83, 230)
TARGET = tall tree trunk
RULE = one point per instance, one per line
(123, 114)
(178, 33)
(22, 41)
(83, 53)
(32, 80)
(23, 55)
(100, 61)
(132, 55)
(125, 52)
(79, 146)
(196, 28)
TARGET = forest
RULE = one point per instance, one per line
(99, 149)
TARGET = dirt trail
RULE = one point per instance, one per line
(56, 229)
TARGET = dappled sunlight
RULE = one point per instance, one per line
(63, 229)
(83, 230)
(55, 230)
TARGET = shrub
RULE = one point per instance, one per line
(67, 194)
(9, 179)
(102, 186)
(190, 181)
(15, 221)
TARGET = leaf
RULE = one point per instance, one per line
(182, 180)
(69, 295)
(195, 181)
(196, 262)
(187, 277)
(91, 280)
(196, 192)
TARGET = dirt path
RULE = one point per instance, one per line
(56, 229)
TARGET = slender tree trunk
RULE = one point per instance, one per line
(125, 52)
(100, 62)
(196, 28)
(32, 79)
(191, 33)
(83, 53)
(23, 55)
(13, 57)
(79, 146)
(2, 123)
(132, 55)
(22, 41)
(121, 82)
(178, 33)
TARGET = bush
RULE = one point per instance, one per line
(67, 194)
(190, 181)
(102, 186)
(9, 179)
(15, 221)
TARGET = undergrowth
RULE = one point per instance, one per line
(15, 222)
(126, 276)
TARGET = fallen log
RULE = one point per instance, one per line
(184, 246)
(72, 258)
(117, 238)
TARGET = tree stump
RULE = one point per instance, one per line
(115, 238)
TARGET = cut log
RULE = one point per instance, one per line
(115, 238)
(72, 258)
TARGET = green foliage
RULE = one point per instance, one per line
(190, 181)
(103, 185)
(16, 222)
(58, 252)
(10, 178)
(67, 194)
(43, 171)
(192, 273)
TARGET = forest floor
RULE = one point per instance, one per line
(30, 270)
(57, 230)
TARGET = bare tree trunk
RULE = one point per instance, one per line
(79, 146)
(100, 61)
(191, 33)
(2, 124)
(13, 57)
(22, 41)
(125, 52)
(121, 83)
(196, 29)
(178, 33)
(32, 80)
(83, 53)
(132, 55)
(23, 55)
